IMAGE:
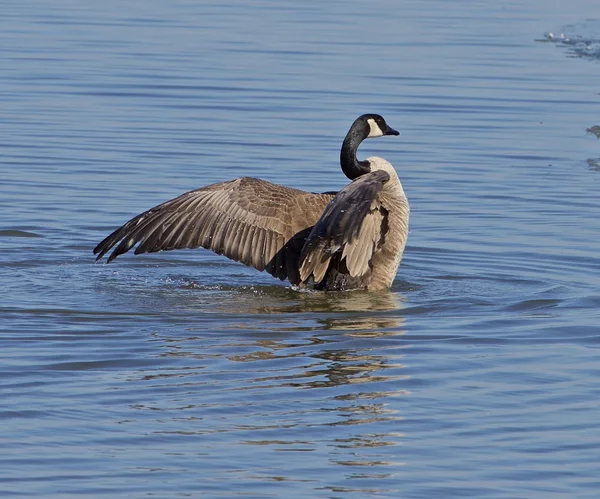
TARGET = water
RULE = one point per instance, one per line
(186, 374)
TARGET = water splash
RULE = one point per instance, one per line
(580, 40)
(594, 130)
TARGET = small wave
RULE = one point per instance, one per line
(18, 233)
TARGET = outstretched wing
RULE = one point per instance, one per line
(252, 221)
(351, 223)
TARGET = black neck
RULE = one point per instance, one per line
(351, 166)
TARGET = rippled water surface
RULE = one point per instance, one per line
(185, 374)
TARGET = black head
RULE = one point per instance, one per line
(375, 125)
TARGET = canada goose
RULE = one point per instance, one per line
(352, 239)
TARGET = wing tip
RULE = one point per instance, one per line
(99, 252)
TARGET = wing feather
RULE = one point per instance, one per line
(248, 220)
(258, 251)
(245, 243)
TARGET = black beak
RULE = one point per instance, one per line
(390, 131)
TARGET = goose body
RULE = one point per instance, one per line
(352, 239)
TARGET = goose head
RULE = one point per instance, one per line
(364, 127)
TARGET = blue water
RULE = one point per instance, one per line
(185, 374)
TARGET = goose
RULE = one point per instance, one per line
(347, 240)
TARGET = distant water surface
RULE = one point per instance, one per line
(185, 374)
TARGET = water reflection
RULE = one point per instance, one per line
(351, 311)
(276, 300)
(303, 373)
(285, 370)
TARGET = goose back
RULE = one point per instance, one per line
(359, 240)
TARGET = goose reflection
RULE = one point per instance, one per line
(268, 326)
(285, 369)
(332, 311)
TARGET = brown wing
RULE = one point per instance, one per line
(351, 223)
(252, 221)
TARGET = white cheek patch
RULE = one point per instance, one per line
(375, 131)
